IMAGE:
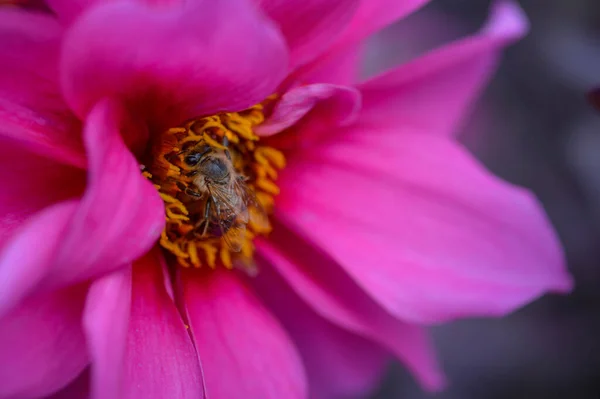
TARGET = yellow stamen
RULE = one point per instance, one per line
(210, 251)
(187, 235)
(193, 251)
(267, 186)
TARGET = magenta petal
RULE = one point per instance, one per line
(370, 17)
(30, 183)
(335, 104)
(309, 26)
(106, 322)
(176, 62)
(119, 218)
(373, 15)
(433, 93)
(22, 269)
(332, 294)
(78, 389)
(42, 344)
(68, 10)
(342, 68)
(338, 363)
(422, 227)
(121, 214)
(32, 110)
(38, 134)
(160, 361)
(244, 351)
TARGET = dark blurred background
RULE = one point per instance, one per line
(534, 128)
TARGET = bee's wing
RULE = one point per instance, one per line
(231, 206)
(257, 215)
(231, 198)
(258, 218)
(235, 236)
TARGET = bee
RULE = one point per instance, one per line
(218, 194)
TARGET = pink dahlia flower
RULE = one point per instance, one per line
(200, 200)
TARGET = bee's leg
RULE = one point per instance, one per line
(226, 144)
(218, 209)
(192, 193)
(206, 215)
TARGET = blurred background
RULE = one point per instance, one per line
(534, 128)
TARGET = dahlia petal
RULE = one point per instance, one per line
(374, 15)
(68, 10)
(106, 322)
(370, 17)
(78, 389)
(309, 26)
(42, 344)
(160, 361)
(22, 269)
(341, 68)
(120, 216)
(173, 63)
(341, 365)
(234, 333)
(31, 107)
(338, 364)
(30, 183)
(339, 104)
(106, 230)
(332, 294)
(433, 93)
(422, 227)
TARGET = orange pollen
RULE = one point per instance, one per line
(218, 185)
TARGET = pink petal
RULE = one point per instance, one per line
(21, 269)
(374, 15)
(244, 351)
(338, 363)
(68, 10)
(160, 361)
(338, 103)
(119, 218)
(422, 227)
(42, 344)
(78, 389)
(433, 93)
(309, 26)
(121, 214)
(343, 68)
(30, 183)
(106, 322)
(329, 291)
(173, 63)
(370, 17)
(32, 110)
(38, 135)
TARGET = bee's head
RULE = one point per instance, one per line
(214, 168)
(193, 158)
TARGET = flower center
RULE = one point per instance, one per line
(218, 186)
